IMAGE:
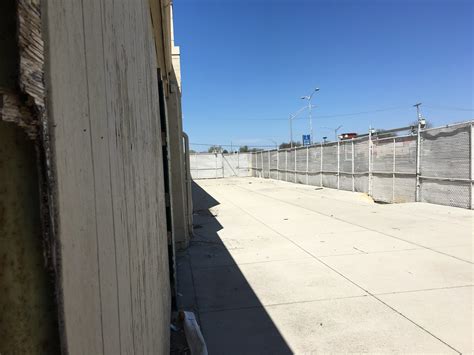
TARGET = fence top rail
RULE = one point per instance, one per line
(394, 138)
(464, 123)
(355, 140)
(225, 154)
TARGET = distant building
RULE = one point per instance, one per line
(344, 136)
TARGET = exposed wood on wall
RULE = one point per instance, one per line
(13, 110)
(30, 43)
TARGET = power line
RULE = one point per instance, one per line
(448, 108)
(346, 114)
(318, 116)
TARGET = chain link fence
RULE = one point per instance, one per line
(434, 165)
(219, 165)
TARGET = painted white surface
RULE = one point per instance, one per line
(103, 105)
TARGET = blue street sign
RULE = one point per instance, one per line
(306, 139)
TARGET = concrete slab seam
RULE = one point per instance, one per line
(358, 225)
(345, 277)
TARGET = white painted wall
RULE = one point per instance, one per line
(103, 105)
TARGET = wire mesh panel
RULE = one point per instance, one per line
(345, 165)
(345, 182)
(285, 158)
(330, 165)
(345, 157)
(445, 193)
(314, 165)
(383, 169)
(254, 164)
(361, 183)
(382, 155)
(361, 156)
(231, 163)
(265, 164)
(361, 165)
(405, 187)
(206, 165)
(330, 158)
(405, 168)
(273, 164)
(388, 171)
(301, 159)
(291, 165)
(445, 166)
(282, 165)
(405, 154)
(236, 164)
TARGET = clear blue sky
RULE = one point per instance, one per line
(246, 61)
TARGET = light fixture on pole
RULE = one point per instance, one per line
(421, 121)
(309, 97)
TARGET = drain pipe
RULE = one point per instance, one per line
(188, 181)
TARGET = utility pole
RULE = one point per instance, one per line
(418, 114)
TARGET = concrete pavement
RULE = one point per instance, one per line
(282, 268)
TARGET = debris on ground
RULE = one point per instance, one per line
(194, 337)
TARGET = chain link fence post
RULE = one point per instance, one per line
(471, 165)
(393, 170)
(307, 165)
(418, 162)
(321, 168)
(338, 164)
(369, 178)
(352, 168)
(278, 164)
(294, 166)
(269, 165)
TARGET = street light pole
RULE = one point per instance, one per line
(291, 131)
(310, 113)
(274, 142)
(335, 132)
(292, 116)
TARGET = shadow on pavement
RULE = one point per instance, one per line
(232, 319)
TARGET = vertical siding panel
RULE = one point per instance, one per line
(116, 116)
(68, 106)
(110, 177)
(100, 156)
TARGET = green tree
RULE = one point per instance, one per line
(244, 149)
(288, 145)
(215, 149)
